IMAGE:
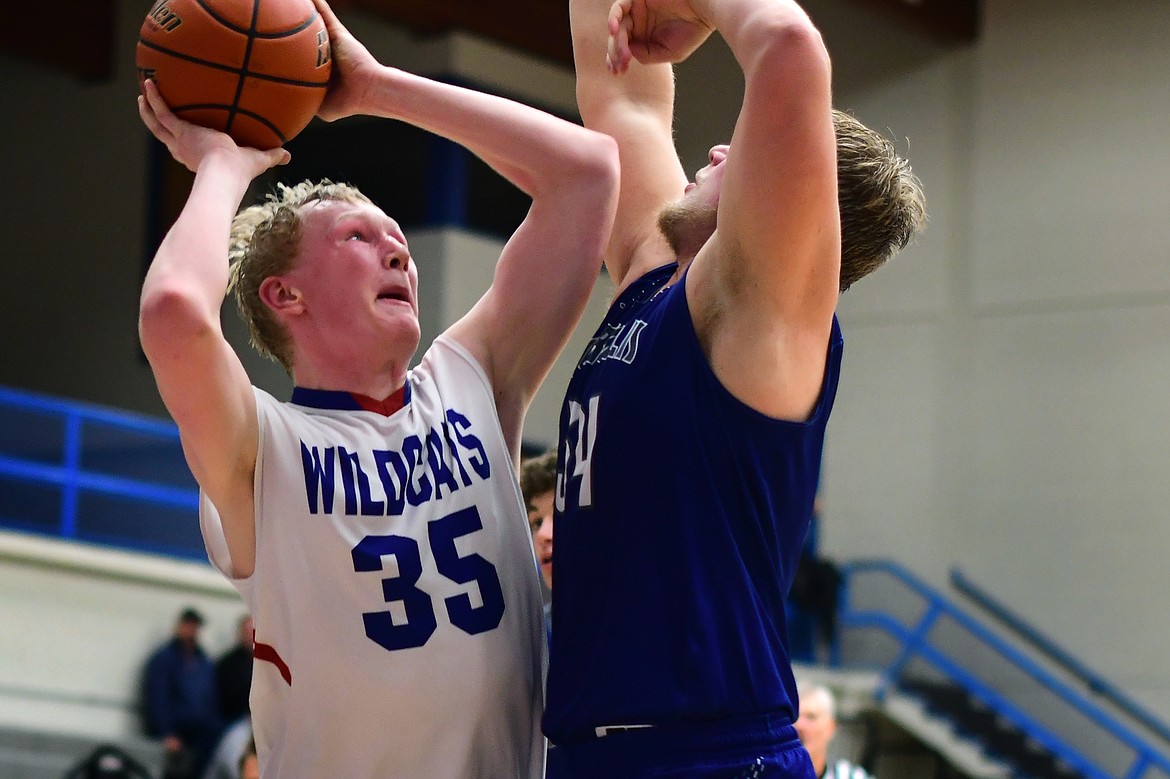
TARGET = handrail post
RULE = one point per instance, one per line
(72, 464)
(842, 609)
(909, 648)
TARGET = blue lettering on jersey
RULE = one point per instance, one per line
(447, 459)
(418, 490)
(479, 460)
(318, 473)
(615, 342)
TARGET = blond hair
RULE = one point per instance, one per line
(880, 198)
(264, 242)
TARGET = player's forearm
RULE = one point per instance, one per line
(599, 92)
(532, 149)
(189, 274)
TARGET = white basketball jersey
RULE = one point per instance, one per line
(395, 597)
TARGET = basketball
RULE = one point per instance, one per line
(255, 69)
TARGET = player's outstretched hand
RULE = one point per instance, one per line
(353, 68)
(190, 144)
(653, 31)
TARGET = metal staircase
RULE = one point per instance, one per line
(992, 701)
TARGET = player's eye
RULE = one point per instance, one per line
(356, 235)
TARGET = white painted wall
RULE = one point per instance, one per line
(79, 623)
(1004, 406)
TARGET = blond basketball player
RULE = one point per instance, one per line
(374, 523)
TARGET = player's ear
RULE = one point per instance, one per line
(279, 295)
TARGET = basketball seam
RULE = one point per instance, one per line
(244, 72)
(224, 107)
(245, 31)
(229, 68)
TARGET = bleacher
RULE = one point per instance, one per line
(26, 754)
(99, 551)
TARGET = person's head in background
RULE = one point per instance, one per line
(249, 763)
(817, 723)
(538, 483)
(246, 631)
(187, 627)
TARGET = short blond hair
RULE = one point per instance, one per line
(880, 198)
(265, 240)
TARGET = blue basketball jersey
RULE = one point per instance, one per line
(680, 514)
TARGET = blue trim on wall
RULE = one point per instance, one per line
(101, 521)
(447, 190)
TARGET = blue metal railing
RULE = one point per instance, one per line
(913, 642)
(1092, 681)
(114, 477)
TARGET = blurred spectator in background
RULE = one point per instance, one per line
(108, 761)
(250, 763)
(812, 601)
(180, 700)
(816, 726)
(233, 674)
(538, 483)
(232, 749)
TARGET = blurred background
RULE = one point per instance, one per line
(994, 519)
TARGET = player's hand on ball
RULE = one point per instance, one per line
(353, 67)
(652, 31)
(189, 144)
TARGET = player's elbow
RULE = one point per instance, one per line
(596, 164)
(600, 186)
(789, 51)
(169, 316)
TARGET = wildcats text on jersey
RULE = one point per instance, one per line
(423, 469)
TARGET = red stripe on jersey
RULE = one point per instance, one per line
(384, 407)
(269, 654)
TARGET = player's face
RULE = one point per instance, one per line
(359, 282)
(708, 183)
(690, 221)
(540, 520)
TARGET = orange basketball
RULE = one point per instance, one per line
(255, 69)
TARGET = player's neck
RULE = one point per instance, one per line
(354, 377)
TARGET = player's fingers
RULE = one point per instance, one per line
(622, 49)
(151, 121)
(617, 12)
(159, 106)
(327, 14)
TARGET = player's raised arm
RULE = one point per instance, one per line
(199, 376)
(778, 239)
(764, 286)
(637, 110)
(552, 261)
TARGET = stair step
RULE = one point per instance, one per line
(997, 737)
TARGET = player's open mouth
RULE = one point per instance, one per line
(394, 294)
